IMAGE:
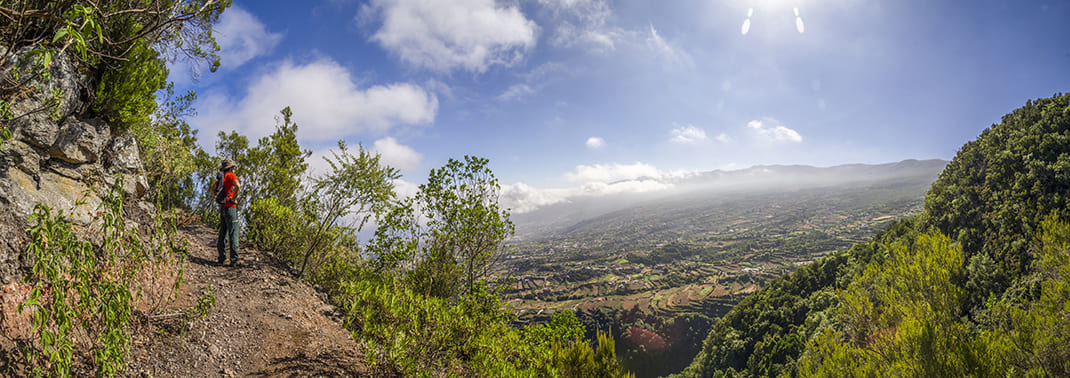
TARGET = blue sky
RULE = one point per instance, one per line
(566, 96)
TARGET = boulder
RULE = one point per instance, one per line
(23, 156)
(36, 130)
(57, 90)
(135, 184)
(124, 156)
(44, 96)
(79, 141)
(57, 157)
(64, 169)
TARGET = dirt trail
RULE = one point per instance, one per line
(265, 323)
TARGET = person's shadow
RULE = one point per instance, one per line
(203, 262)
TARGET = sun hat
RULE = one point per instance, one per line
(227, 164)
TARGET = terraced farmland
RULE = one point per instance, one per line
(666, 270)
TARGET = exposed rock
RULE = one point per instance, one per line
(56, 156)
(37, 130)
(64, 169)
(57, 89)
(80, 142)
(43, 96)
(123, 154)
(72, 196)
(12, 238)
(23, 156)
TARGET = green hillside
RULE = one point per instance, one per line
(989, 298)
(658, 274)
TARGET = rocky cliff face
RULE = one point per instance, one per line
(56, 155)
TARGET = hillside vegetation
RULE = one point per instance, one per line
(659, 273)
(415, 297)
(976, 285)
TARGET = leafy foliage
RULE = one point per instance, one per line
(275, 167)
(126, 96)
(902, 316)
(994, 194)
(83, 293)
(119, 43)
(1031, 336)
(357, 185)
(928, 304)
(451, 232)
(765, 334)
(419, 335)
(168, 149)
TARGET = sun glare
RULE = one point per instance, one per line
(771, 7)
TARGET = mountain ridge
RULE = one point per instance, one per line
(551, 219)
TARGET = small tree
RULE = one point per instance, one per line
(357, 185)
(168, 147)
(275, 167)
(451, 233)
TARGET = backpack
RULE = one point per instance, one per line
(220, 195)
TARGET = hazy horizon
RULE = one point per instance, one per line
(568, 96)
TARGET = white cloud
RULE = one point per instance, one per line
(392, 154)
(636, 186)
(326, 103)
(664, 50)
(521, 198)
(778, 133)
(446, 35)
(405, 189)
(593, 181)
(689, 134)
(612, 172)
(595, 143)
(317, 166)
(723, 138)
(397, 155)
(241, 37)
(516, 92)
(582, 23)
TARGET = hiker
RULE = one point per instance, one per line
(226, 187)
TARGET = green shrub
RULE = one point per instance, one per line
(83, 293)
(411, 334)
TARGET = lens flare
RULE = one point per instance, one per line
(773, 6)
(799, 22)
(746, 22)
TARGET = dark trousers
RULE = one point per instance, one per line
(228, 233)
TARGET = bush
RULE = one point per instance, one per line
(407, 333)
(83, 293)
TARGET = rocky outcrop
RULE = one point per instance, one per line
(56, 155)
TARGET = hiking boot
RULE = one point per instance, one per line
(234, 263)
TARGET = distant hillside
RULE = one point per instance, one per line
(908, 177)
(658, 270)
(988, 299)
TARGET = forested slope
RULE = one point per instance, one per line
(83, 269)
(990, 297)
